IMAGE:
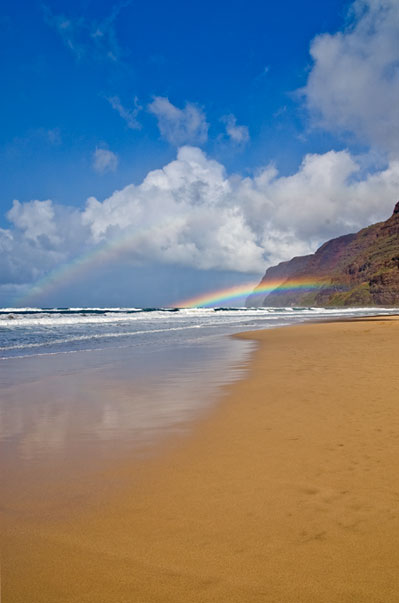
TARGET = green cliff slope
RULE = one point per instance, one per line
(359, 269)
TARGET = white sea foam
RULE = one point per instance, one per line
(28, 331)
(16, 317)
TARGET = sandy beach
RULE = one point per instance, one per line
(287, 491)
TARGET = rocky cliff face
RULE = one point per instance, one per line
(359, 269)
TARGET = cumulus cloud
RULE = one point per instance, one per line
(129, 115)
(353, 85)
(42, 236)
(104, 160)
(237, 134)
(35, 219)
(179, 126)
(192, 214)
(179, 214)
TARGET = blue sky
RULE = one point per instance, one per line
(256, 107)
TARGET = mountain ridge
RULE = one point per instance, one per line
(357, 269)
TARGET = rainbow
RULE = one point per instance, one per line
(63, 275)
(100, 255)
(250, 289)
(111, 250)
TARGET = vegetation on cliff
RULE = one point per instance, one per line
(359, 269)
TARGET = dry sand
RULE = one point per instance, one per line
(287, 492)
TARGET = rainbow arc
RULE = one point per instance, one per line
(232, 294)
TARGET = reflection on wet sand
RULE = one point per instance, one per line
(73, 423)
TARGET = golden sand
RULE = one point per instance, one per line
(287, 492)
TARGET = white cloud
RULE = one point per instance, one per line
(104, 160)
(24, 260)
(180, 126)
(129, 115)
(237, 134)
(42, 235)
(35, 219)
(179, 215)
(353, 85)
(192, 214)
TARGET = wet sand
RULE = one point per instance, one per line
(288, 491)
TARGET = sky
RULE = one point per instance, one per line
(152, 152)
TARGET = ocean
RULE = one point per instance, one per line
(81, 385)
(47, 331)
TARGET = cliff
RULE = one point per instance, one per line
(359, 269)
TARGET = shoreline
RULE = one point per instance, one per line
(286, 491)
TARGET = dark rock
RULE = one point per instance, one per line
(357, 269)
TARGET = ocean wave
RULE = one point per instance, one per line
(72, 329)
(22, 317)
